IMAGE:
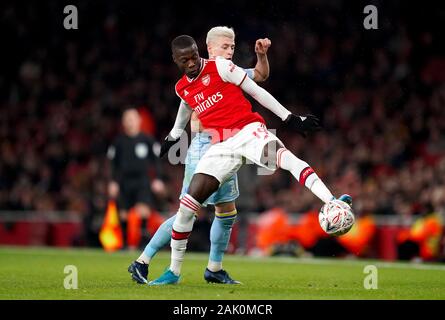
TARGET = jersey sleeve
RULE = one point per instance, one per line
(180, 97)
(182, 118)
(177, 93)
(230, 72)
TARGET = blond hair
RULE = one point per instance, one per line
(220, 31)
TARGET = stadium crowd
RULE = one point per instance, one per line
(380, 95)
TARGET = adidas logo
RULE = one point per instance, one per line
(186, 93)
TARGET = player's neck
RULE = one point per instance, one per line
(201, 67)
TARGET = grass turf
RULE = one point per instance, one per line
(38, 273)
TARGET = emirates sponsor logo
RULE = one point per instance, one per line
(206, 80)
(209, 102)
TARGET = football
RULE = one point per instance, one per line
(336, 217)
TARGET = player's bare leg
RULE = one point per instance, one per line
(202, 186)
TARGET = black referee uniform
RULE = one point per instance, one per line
(132, 158)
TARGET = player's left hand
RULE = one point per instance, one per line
(305, 124)
(262, 45)
(167, 144)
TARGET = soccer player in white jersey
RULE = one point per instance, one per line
(214, 90)
(220, 42)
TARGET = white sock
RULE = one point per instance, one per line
(182, 227)
(177, 255)
(320, 190)
(303, 173)
(143, 258)
(214, 266)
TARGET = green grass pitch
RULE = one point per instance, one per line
(38, 273)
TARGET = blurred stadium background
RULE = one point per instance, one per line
(380, 95)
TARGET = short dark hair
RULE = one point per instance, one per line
(182, 42)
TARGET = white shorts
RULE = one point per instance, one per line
(224, 159)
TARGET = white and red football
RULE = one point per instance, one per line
(336, 217)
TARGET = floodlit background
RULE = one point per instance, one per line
(379, 93)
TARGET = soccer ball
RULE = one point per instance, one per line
(336, 217)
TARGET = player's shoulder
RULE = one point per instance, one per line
(224, 64)
(221, 60)
(225, 67)
(180, 82)
(180, 85)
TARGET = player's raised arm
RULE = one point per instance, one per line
(261, 70)
(229, 72)
(182, 118)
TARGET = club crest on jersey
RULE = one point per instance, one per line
(206, 80)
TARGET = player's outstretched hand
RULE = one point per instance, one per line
(167, 144)
(305, 124)
(262, 45)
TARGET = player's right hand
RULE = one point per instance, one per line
(262, 45)
(169, 142)
(304, 124)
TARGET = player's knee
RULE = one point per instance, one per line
(202, 186)
(225, 207)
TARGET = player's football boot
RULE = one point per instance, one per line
(168, 277)
(346, 198)
(220, 276)
(139, 272)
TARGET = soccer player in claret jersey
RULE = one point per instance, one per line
(214, 90)
(220, 42)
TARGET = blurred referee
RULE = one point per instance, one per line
(133, 157)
